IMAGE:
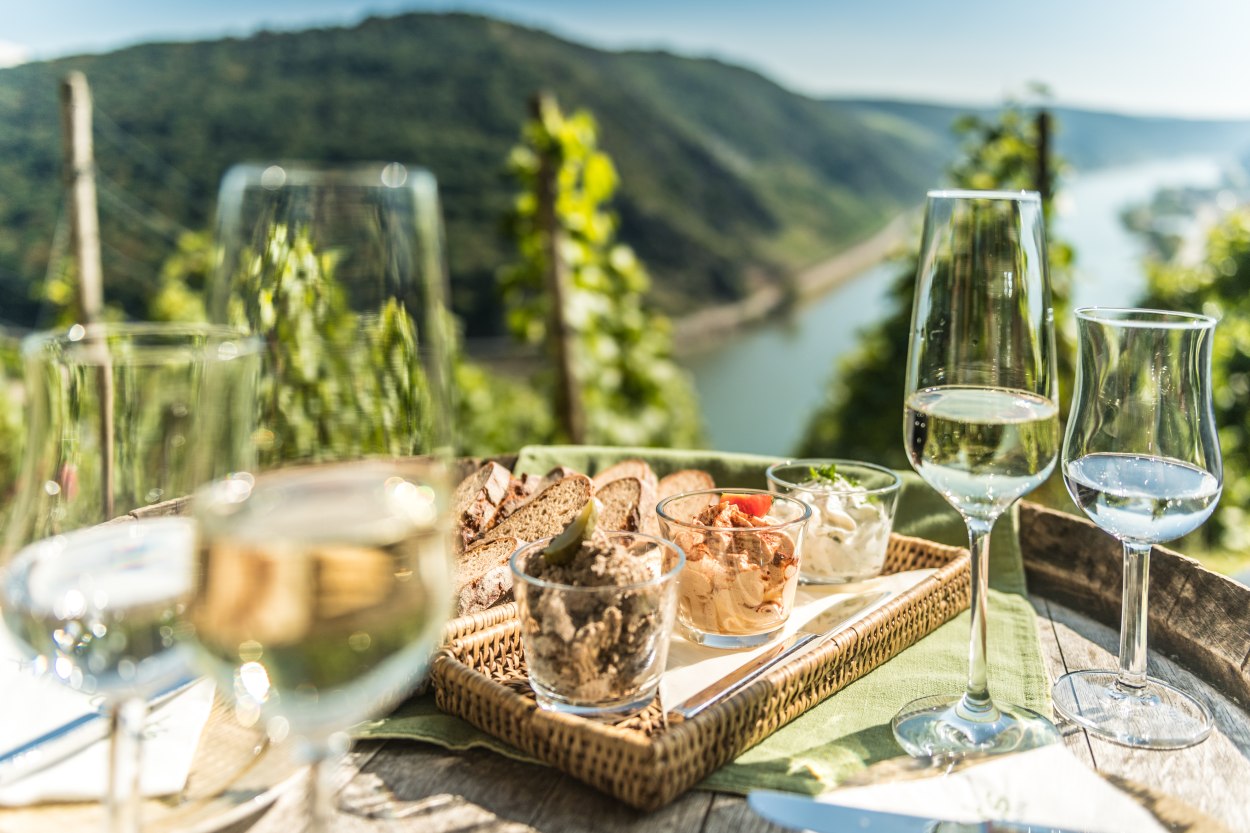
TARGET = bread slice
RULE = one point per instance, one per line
(628, 505)
(547, 513)
(686, 480)
(626, 468)
(523, 488)
(476, 501)
(483, 576)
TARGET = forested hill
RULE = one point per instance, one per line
(1087, 139)
(728, 179)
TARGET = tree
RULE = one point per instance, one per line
(862, 414)
(1217, 287)
(632, 391)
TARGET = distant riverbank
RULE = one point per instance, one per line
(707, 327)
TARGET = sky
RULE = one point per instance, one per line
(1162, 57)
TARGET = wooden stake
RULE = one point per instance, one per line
(560, 335)
(79, 162)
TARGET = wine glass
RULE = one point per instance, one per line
(1142, 460)
(321, 592)
(340, 271)
(122, 417)
(980, 422)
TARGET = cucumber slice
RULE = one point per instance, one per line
(565, 545)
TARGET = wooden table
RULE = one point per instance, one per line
(1198, 617)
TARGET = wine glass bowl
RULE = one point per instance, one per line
(320, 594)
(980, 421)
(1141, 459)
(339, 269)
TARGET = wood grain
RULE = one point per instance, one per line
(1198, 618)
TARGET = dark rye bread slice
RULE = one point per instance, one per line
(547, 513)
(686, 480)
(483, 575)
(630, 470)
(628, 505)
(476, 501)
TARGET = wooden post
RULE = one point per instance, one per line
(79, 164)
(568, 391)
(1043, 156)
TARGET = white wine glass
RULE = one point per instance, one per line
(1141, 458)
(339, 269)
(122, 417)
(981, 422)
(320, 595)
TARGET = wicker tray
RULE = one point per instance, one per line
(650, 760)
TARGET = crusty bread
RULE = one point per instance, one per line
(547, 513)
(686, 480)
(626, 468)
(483, 576)
(628, 505)
(476, 501)
(523, 488)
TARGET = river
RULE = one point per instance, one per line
(758, 390)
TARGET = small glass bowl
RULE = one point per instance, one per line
(738, 587)
(598, 651)
(850, 529)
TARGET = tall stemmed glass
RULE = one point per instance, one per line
(340, 270)
(122, 417)
(1142, 460)
(981, 421)
(321, 590)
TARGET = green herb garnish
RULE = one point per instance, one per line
(828, 473)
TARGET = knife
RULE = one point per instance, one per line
(803, 813)
(837, 617)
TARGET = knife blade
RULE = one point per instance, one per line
(837, 617)
(800, 812)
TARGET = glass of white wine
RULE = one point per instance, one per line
(320, 594)
(1141, 458)
(981, 421)
(122, 417)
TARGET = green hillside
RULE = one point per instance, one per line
(728, 179)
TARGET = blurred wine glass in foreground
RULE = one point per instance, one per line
(340, 271)
(321, 592)
(981, 423)
(1142, 459)
(122, 417)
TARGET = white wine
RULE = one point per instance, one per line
(1140, 498)
(102, 607)
(982, 448)
(323, 603)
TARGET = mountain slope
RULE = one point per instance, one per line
(728, 180)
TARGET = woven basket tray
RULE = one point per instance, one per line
(651, 759)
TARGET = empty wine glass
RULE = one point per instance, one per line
(981, 421)
(340, 271)
(122, 417)
(321, 592)
(1142, 460)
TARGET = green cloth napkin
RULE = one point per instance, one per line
(850, 730)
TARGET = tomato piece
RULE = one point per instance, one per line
(757, 505)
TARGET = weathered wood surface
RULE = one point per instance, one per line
(1201, 619)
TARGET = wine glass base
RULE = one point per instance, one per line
(938, 726)
(1156, 716)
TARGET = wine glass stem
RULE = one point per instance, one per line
(976, 703)
(322, 756)
(1132, 676)
(126, 721)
